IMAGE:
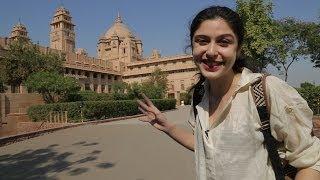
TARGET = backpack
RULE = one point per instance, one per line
(281, 168)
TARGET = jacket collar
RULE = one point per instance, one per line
(246, 79)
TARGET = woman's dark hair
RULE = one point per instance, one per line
(234, 21)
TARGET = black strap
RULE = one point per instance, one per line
(271, 143)
(260, 97)
(197, 97)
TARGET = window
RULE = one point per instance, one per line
(95, 75)
(171, 87)
(95, 88)
(182, 85)
(109, 88)
(103, 88)
(87, 86)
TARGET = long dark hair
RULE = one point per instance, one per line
(234, 21)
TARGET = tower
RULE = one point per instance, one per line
(19, 31)
(62, 35)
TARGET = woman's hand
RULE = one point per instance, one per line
(153, 115)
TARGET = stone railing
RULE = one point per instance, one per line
(58, 117)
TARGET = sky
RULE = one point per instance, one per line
(161, 25)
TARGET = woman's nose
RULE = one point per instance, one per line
(212, 50)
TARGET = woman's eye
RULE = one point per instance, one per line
(201, 41)
(224, 42)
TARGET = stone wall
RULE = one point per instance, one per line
(14, 110)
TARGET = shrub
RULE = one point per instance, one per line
(88, 96)
(94, 110)
(186, 97)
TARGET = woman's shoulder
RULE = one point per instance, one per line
(279, 89)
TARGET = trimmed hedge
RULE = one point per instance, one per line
(94, 110)
(89, 96)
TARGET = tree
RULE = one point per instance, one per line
(311, 35)
(159, 78)
(23, 58)
(134, 90)
(155, 86)
(311, 93)
(53, 86)
(292, 47)
(261, 35)
(119, 90)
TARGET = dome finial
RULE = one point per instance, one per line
(118, 19)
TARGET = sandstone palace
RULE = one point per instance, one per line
(119, 57)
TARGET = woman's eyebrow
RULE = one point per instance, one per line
(200, 36)
(226, 36)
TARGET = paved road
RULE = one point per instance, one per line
(123, 150)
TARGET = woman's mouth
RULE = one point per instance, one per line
(212, 66)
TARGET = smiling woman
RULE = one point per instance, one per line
(228, 134)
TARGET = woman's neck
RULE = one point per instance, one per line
(220, 87)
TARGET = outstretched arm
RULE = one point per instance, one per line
(159, 121)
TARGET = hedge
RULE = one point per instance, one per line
(89, 96)
(95, 110)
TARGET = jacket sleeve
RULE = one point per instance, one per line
(291, 122)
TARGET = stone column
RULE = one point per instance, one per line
(76, 74)
(91, 80)
(112, 81)
(99, 83)
(177, 97)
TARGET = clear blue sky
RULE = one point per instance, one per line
(160, 24)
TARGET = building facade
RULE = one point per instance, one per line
(119, 57)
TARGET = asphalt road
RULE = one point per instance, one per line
(123, 150)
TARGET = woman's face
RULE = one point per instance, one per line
(215, 48)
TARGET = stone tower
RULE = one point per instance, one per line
(19, 31)
(62, 35)
(120, 45)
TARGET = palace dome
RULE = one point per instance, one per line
(118, 29)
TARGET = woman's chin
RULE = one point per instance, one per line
(212, 73)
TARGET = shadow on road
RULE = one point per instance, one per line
(44, 163)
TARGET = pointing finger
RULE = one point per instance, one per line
(148, 101)
(144, 106)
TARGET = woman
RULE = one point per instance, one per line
(226, 140)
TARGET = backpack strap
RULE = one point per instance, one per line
(259, 95)
(197, 97)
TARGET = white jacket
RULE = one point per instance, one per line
(234, 150)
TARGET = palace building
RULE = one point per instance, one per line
(119, 57)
